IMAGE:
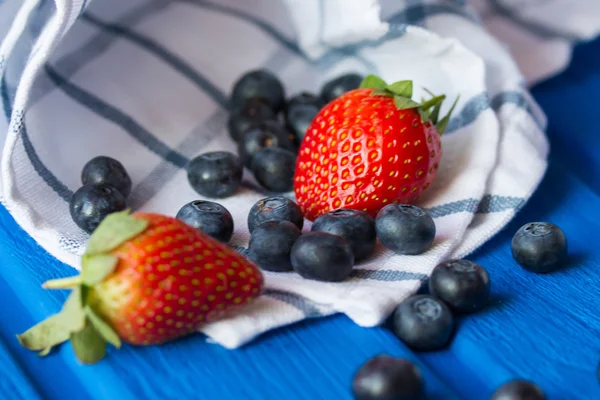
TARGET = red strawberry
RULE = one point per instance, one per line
(145, 279)
(368, 148)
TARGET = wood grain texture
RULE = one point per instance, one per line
(313, 360)
(12, 378)
(540, 327)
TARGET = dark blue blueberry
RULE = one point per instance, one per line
(208, 217)
(302, 98)
(274, 169)
(338, 86)
(217, 174)
(266, 134)
(104, 169)
(275, 208)
(462, 284)
(387, 378)
(519, 390)
(322, 257)
(92, 203)
(540, 247)
(244, 117)
(300, 112)
(261, 85)
(405, 229)
(423, 322)
(357, 227)
(271, 245)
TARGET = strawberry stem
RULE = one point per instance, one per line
(443, 124)
(64, 283)
(429, 92)
(77, 321)
(402, 92)
(434, 101)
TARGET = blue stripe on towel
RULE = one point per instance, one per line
(307, 307)
(177, 63)
(117, 116)
(533, 27)
(265, 27)
(416, 14)
(60, 188)
(387, 275)
(480, 103)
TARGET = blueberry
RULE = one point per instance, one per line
(338, 86)
(92, 202)
(302, 98)
(266, 134)
(423, 322)
(271, 245)
(387, 378)
(300, 112)
(244, 117)
(462, 284)
(217, 174)
(357, 227)
(518, 390)
(274, 169)
(322, 257)
(104, 169)
(540, 247)
(208, 217)
(259, 84)
(405, 229)
(277, 208)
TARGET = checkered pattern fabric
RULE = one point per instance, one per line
(147, 82)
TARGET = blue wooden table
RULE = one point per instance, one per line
(545, 328)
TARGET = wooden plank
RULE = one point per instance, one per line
(540, 327)
(312, 360)
(545, 327)
(25, 266)
(14, 383)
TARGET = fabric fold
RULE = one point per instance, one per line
(147, 82)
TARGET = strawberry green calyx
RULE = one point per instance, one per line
(77, 320)
(402, 92)
(57, 328)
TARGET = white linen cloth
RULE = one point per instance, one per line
(147, 82)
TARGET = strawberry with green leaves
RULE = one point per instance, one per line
(145, 279)
(368, 148)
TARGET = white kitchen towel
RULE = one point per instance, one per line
(147, 82)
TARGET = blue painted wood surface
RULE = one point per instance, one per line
(540, 327)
